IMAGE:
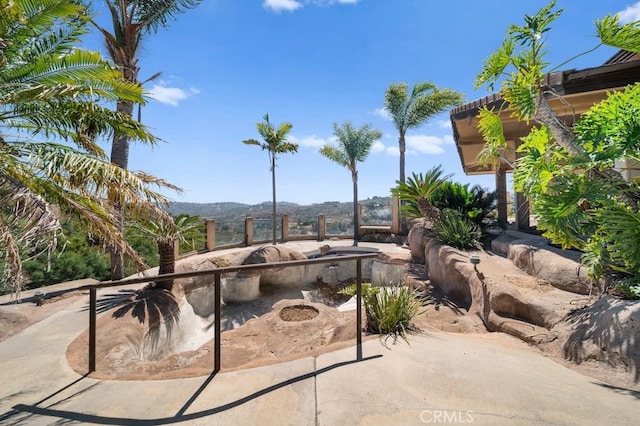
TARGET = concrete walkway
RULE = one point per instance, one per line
(438, 378)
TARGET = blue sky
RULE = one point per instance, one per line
(318, 62)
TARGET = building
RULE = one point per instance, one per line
(570, 94)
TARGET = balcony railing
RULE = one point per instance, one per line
(225, 234)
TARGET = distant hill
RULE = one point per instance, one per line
(230, 210)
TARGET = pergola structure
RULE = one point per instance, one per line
(570, 93)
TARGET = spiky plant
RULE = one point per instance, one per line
(419, 189)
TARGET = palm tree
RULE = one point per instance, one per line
(132, 19)
(275, 142)
(353, 145)
(418, 191)
(51, 100)
(412, 111)
(166, 233)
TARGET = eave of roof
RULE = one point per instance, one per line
(570, 93)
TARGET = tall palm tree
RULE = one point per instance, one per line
(132, 20)
(412, 111)
(353, 145)
(275, 142)
(51, 99)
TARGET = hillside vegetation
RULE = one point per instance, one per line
(230, 210)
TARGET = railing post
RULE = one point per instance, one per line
(210, 232)
(322, 227)
(218, 313)
(285, 228)
(92, 328)
(176, 250)
(248, 231)
(359, 309)
(395, 215)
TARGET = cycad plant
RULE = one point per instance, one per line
(52, 97)
(418, 191)
(475, 204)
(167, 233)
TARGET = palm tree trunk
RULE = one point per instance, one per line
(120, 157)
(403, 147)
(356, 215)
(167, 263)
(273, 190)
(402, 219)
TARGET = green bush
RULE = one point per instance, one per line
(389, 309)
(476, 203)
(457, 231)
(627, 289)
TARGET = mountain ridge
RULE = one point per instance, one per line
(231, 210)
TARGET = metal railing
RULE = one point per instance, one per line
(217, 273)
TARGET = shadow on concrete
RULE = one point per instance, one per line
(605, 324)
(21, 416)
(620, 390)
(65, 416)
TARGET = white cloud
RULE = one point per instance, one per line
(630, 14)
(312, 141)
(330, 2)
(443, 124)
(280, 5)
(291, 5)
(170, 95)
(424, 144)
(393, 151)
(381, 112)
(378, 147)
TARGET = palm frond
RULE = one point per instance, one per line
(153, 14)
(612, 33)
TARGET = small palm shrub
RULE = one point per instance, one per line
(389, 309)
(475, 203)
(457, 231)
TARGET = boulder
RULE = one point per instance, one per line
(561, 268)
(293, 277)
(416, 241)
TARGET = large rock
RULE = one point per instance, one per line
(536, 257)
(503, 296)
(416, 241)
(287, 277)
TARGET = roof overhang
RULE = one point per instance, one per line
(570, 94)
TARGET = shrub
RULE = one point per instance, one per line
(627, 289)
(389, 309)
(475, 203)
(457, 231)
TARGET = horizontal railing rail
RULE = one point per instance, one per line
(217, 273)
